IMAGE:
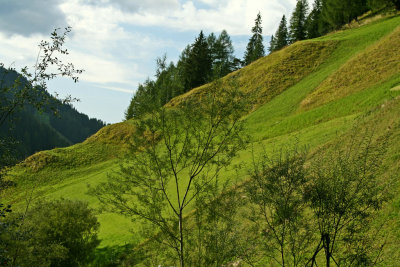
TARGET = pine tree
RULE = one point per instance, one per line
(212, 45)
(272, 44)
(255, 48)
(339, 12)
(199, 63)
(223, 59)
(314, 21)
(281, 38)
(297, 25)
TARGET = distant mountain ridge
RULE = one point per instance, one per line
(36, 131)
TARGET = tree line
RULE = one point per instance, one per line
(208, 58)
(325, 16)
(211, 57)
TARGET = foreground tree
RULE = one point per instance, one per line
(29, 88)
(344, 194)
(175, 155)
(214, 235)
(275, 191)
(255, 47)
(321, 212)
(54, 233)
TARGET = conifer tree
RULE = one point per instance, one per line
(314, 21)
(200, 62)
(272, 44)
(212, 45)
(255, 48)
(281, 38)
(223, 62)
(297, 25)
(195, 63)
(339, 12)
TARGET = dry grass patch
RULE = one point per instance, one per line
(271, 75)
(376, 64)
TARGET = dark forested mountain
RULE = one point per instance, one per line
(57, 125)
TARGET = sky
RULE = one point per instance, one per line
(117, 42)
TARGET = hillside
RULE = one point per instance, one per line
(36, 131)
(316, 93)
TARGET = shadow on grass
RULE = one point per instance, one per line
(116, 256)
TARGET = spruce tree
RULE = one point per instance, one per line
(339, 12)
(199, 63)
(223, 62)
(314, 21)
(272, 44)
(212, 45)
(255, 48)
(297, 25)
(281, 38)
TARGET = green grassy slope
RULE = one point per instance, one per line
(313, 92)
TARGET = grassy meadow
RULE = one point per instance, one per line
(314, 93)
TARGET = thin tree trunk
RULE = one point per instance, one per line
(181, 256)
(327, 250)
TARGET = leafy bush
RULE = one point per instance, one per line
(54, 233)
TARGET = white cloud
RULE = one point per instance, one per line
(18, 51)
(117, 41)
(236, 16)
(117, 89)
(137, 6)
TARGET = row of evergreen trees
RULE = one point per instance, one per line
(208, 58)
(325, 16)
(211, 57)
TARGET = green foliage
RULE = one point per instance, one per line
(198, 67)
(255, 47)
(272, 44)
(214, 236)
(344, 194)
(176, 154)
(276, 190)
(281, 38)
(381, 4)
(297, 27)
(284, 79)
(28, 88)
(18, 91)
(339, 12)
(205, 60)
(55, 233)
(222, 55)
(314, 22)
(323, 207)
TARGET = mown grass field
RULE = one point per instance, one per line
(312, 93)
